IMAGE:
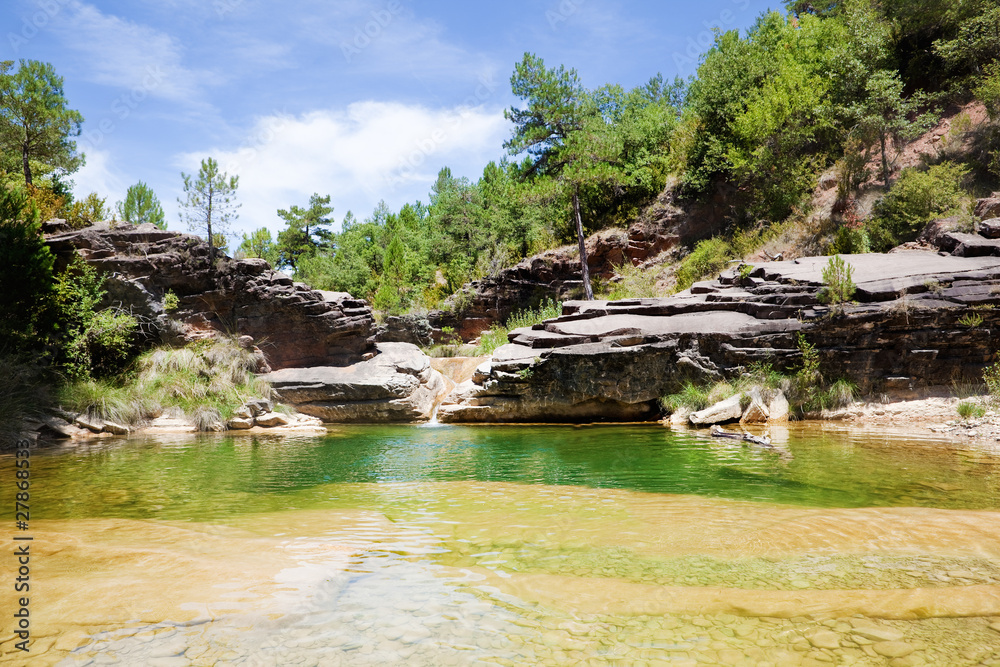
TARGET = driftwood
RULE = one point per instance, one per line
(719, 432)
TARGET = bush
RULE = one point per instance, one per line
(205, 381)
(23, 395)
(840, 288)
(690, 396)
(991, 376)
(25, 274)
(968, 409)
(634, 283)
(497, 335)
(917, 198)
(84, 213)
(708, 257)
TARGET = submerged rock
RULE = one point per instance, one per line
(397, 385)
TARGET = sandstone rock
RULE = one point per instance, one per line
(989, 207)
(58, 428)
(576, 368)
(680, 417)
(93, 424)
(892, 649)
(758, 411)
(302, 326)
(824, 639)
(778, 409)
(115, 429)
(413, 329)
(243, 412)
(259, 406)
(990, 228)
(877, 633)
(397, 385)
(720, 413)
(239, 424)
(937, 232)
(271, 419)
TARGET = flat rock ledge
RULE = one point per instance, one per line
(920, 319)
(398, 385)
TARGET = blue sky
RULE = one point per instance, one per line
(364, 100)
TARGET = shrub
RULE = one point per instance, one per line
(708, 257)
(968, 409)
(634, 283)
(690, 396)
(83, 213)
(991, 376)
(205, 381)
(497, 335)
(840, 288)
(916, 198)
(23, 395)
(171, 302)
(971, 320)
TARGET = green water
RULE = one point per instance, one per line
(617, 545)
(209, 477)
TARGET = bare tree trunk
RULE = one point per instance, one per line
(587, 290)
(885, 162)
(211, 239)
(26, 166)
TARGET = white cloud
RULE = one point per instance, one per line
(123, 54)
(365, 153)
(98, 176)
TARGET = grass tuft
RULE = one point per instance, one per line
(206, 381)
(490, 340)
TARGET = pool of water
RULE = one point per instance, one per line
(514, 545)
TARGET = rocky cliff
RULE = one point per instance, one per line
(921, 319)
(295, 325)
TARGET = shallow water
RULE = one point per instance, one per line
(514, 545)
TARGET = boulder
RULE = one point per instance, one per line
(758, 411)
(989, 207)
(778, 408)
(115, 429)
(258, 407)
(239, 424)
(724, 411)
(93, 424)
(271, 419)
(397, 385)
(990, 228)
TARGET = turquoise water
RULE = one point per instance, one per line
(515, 545)
(208, 477)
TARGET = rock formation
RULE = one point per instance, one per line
(397, 385)
(295, 325)
(923, 319)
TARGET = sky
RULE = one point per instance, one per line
(362, 100)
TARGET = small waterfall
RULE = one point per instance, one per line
(434, 416)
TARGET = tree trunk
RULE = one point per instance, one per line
(211, 239)
(885, 163)
(587, 290)
(25, 165)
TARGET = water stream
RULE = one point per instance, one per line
(615, 545)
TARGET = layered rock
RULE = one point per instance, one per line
(295, 325)
(914, 326)
(396, 385)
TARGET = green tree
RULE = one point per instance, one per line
(558, 106)
(141, 206)
(209, 201)
(307, 230)
(25, 273)
(260, 244)
(35, 122)
(886, 117)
